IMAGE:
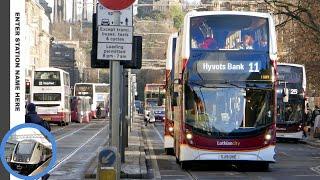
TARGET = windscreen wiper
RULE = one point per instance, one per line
(232, 84)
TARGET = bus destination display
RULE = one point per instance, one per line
(228, 66)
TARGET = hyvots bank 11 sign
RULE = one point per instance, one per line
(228, 66)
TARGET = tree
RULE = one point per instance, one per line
(305, 12)
(177, 15)
(300, 35)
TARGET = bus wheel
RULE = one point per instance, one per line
(184, 165)
(177, 161)
(264, 166)
(169, 151)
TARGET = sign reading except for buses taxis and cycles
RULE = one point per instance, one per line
(114, 42)
(115, 34)
(228, 66)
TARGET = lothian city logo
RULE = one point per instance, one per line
(228, 143)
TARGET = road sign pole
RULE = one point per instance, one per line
(115, 78)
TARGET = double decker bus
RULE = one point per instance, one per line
(225, 88)
(50, 92)
(99, 93)
(168, 122)
(291, 101)
(154, 99)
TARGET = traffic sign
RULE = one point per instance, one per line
(115, 34)
(116, 4)
(106, 16)
(114, 51)
(107, 157)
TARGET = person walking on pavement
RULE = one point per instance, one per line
(33, 117)
(315, 113)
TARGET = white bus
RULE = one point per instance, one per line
(168, 122)
(99, 93)
(50, 92)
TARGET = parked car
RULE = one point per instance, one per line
(159, 113)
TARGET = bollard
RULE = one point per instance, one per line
(107, 164)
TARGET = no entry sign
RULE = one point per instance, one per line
(116, 4)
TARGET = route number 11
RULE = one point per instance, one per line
(253, 67)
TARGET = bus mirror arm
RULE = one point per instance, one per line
(177, 81)
(175, 99)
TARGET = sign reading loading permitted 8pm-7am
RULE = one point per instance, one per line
(114, 51)
(115, 34)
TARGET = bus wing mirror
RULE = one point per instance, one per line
(285, 93)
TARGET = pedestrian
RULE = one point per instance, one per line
(315, 113)
(33, 117)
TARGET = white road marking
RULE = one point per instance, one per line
(316, 169)
(159, 134)
(59, 129)
(75, 151)
(156, 172)
(72, 132)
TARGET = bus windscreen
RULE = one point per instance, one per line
(229, 32)
(47, 78)
(84, 90)
(102, 89)
(290, 74)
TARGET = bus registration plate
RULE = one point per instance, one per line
(46, 118)
(228, 157)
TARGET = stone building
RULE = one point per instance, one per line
(37, 36)
(164, 5)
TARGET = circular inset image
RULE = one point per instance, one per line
(28, 151)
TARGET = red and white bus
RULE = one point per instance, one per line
(224, 86)
(168, 122)
(50, 92)
(291, 105)
(99, 93)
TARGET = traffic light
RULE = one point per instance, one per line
(136, 61)
(27, 87)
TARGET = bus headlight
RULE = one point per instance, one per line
(189, 136)
(267, 137)
(15, 158)
(28, 159)
(171, 129)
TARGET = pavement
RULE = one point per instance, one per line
(135, 157)
(310, 140)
